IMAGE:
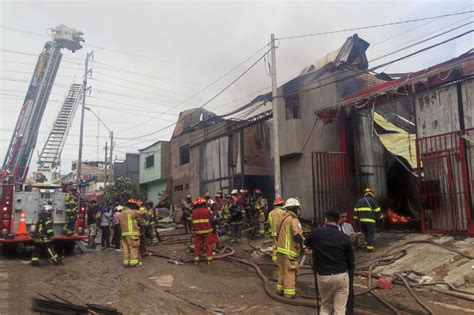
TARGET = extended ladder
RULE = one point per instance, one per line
(49, 161)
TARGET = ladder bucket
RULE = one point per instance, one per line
(21, 231)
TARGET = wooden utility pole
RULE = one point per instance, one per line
(276, 146)
(105, 165)
(83, 108)
(111, 157)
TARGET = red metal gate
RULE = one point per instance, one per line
(445, 170)
(331, 183)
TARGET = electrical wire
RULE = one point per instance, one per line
(375, 25)
(202, 106)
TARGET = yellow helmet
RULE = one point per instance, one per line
(368, 192)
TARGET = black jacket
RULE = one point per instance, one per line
(332, 250)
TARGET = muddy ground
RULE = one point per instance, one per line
(158, 287)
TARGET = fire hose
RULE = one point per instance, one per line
(407, 285)
(222, 254)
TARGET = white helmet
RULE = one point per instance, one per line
(292, 203)
(48, 208)
(234, 192)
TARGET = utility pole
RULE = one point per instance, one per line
(111, 157)
(276, 145)
(83, 107)
(105, 165)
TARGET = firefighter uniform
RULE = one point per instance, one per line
(261, 207)
(72, 211)
(130, 241)
(288, 251)
(367, 211)
(151, 236)
(273, 218)
(43, 239)
(201, 219)
(236, 212)
(187, 210)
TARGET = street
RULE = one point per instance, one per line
(160, 287)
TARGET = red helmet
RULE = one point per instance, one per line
(258, 191)
(199, 201)
(278, 201)
(135, 201)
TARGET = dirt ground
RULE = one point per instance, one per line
(158, 287)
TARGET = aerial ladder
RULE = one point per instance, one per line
(16, 164)
(15, 198)
(49, 161)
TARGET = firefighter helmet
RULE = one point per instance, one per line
(234, 192)
(368, 192)
(48, 209)
(199, 201)
(292, 203)
(278, 201)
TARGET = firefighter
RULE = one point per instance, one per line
(218, 202)
(367, 211)
(72, 210)
(42, 233)
(236, 219)
(248, 204)
(211, 204)
(152, 237)
(273, 217)
(225, 215)
(144, 225)
(130, 242)
(202, 228)
(289, 248)
(261, 208)
(187, 210)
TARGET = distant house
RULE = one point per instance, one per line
(128, 167)
(154, 166)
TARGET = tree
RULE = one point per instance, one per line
(122, 190)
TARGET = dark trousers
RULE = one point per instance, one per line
(105, 240)
(369, 233)
(44, 247)
(236, 231)
(350, 297)
(117, 236)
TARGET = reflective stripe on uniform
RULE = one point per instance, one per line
(287, 249)
(363, 209)
(130, 234)
(34, 259)
(279, 287)
(203, 231)
(201, 221)
(289, 292)
(367, 220)
(134, 262)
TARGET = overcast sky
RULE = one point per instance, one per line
(151, 55)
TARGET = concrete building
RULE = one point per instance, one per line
(128, 167)
(209, 153)
(154, 170)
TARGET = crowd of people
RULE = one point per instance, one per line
(134, 225)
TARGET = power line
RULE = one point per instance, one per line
(212, 83)
(375, 26)
(422, 41)
(357, 73)
(134, 89)
(375, 55)
(131, 106)
(407, 31)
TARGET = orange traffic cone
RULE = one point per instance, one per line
(21, 231)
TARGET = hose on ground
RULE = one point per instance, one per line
(407, 285)
(225, 252)
(269, 289)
